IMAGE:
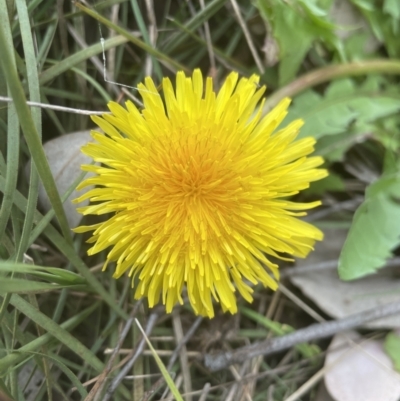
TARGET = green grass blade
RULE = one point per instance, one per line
(68, 250)
(57, 331)
(78, 57)
(68, 372)
(51, 274)
(34, 92)
(161, 366)
(161, 56)
(20, 286)
(27, 349)
(143, 30)
(12, 133)
(103, 93)
(198, 19)
(30, 132)
(233, 63)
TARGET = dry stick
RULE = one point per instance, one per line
(235, 390)
(152, 28)
(208, 40)
(300, 303)
(205, 391)
(101, 379)
(247, 35)
(56, 107)
(313, 332)
(111, 52)
(178, 330)
(184, 341)
(139, 349)
(251, 376)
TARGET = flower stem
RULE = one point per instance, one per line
(329, 73)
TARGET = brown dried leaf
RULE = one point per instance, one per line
(339, 298)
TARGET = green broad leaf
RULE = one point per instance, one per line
(384, 22)
(391, 163)
(344, 113)
(374, 232)
(342, 105)
(296, 25)
(392, 348)
(387, 132)
(392, 7)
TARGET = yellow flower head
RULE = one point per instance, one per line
(197, 185)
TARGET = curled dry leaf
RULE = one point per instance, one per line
(65, 160)
(358, 369)
(343, 298)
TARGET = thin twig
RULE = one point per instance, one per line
(313, 332)
(112, 52)
(184, 341)
(300, 303)
(139, 349)
(235, 388)
(116, 87)
(247, 35)
(152, 28)
(251, 376)
(56, 107)
(101, 379)
(178, 330)
(207, 35)
(160, 352)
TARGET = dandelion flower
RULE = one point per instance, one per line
(195, 187)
